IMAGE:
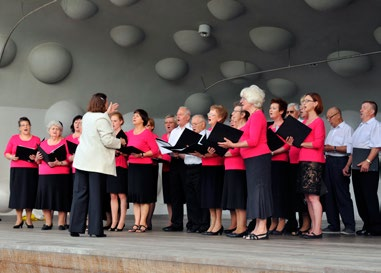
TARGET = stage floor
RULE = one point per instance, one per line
(34, 250)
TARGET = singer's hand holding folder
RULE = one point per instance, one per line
(130, 150)
(359, 155)
(24, 153)
(273, 140)
(295, 128)
(59, 154)
(219, 133)
(187, 138)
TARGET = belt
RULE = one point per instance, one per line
(332, 156)
(193, 165)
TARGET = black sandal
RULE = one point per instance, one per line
(134, 228)
(253, 236)
(142, 228)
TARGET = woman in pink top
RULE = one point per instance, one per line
(311, 160)
(235, 190)
(116, 186)
(54, 192)
(155, 171)
(279, 170)
(76, 129)
(24, 173)
(212, 176)
(141, 191)
(257, 157)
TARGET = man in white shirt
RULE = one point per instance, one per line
(198, 218)
(338, 200)
(365, 181)
(177, 171)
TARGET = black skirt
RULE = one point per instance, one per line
(54, 192)
(235, 190)
(310, 179)
(23, 188)
(118, 183)
(212, 182)
(259, 195)
(279, 177)
(140, 184)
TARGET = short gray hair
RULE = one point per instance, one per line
(296, 106)
(254, 95)
(55, 123)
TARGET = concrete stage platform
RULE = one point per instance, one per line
(33, 250)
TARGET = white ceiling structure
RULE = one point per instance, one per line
(151, 54)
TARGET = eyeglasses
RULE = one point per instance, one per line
(290, 112)
(195, 124)
(331, 116)
(211, 115)
(307, 101)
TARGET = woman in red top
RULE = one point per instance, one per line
(257, 157)
(141, 191)
(24, 173)
(235, 190)
(212, 176)
(311, 160)
(54, 192)
(279, 170)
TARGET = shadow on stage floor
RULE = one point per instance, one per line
(34, 250)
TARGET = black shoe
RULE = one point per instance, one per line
(112, 229)
(46, 227)
(173, 228)
(192, 230)
(107, 227)
(211, 233)
(61, 227)
(19, 225)
(120, 229)
(331, 230)
(74, 234)
(29, 226)
(277, 232)
(361, 232)
(236, 235)
(313, 236)
(227, 231)
(98, 236)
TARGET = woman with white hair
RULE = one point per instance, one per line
(257, 158)
(54, 183)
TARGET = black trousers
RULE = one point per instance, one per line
(177, 182)
(338, 199)
(87, 200)
(365, 186)
(197, 216)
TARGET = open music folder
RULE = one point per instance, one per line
(24, 153)
(58, 153)
(187, 138)
(293, 127)
(219, 133)
(71, 146)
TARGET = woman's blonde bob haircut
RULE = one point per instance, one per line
(254, 95)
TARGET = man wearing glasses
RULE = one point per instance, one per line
(337, 172)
